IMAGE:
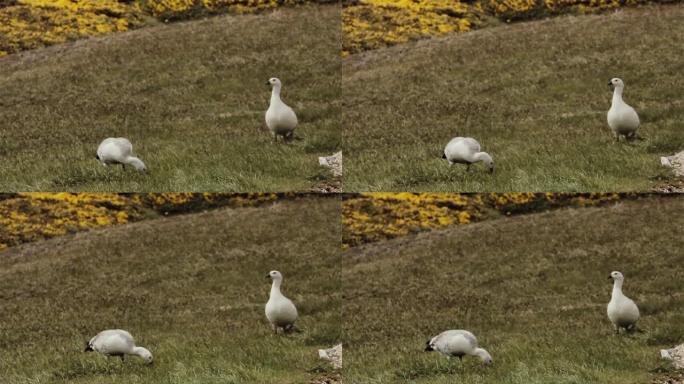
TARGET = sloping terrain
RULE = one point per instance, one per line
(534, 94)
(191, 288)
(190, 96)
(533, 288)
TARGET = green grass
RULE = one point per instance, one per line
(533, 288)
(190, 96)
(534, 94)
(190, 288)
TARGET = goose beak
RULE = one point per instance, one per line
(491, 170)
(97, 156)
(610, 277)
(267, 83)
(428, 347)
(610, 82)
(88, 348)
(443, 155)
(267, 276)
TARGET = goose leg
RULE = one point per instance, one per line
(468, 167)
(123, 166)
(122, 357)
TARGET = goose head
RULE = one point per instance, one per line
(616, 83)
(275, 276)
(487, 161)
(88, 347)
(490, 165)
(273, 82)
(616, 276)
(145, 354)
(484, 356)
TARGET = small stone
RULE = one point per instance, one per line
(333, 355)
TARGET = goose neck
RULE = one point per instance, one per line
(617, 288)
(275, 287)
(482, 156)
(275, 93)
(617, 95)
(135, 162)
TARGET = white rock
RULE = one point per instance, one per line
(333, 355)
(117, 342)
(466, 150)
(280, 118)
(676, 162)
(675, 354)
(333, 162)
(622, 311)
(622, 118)
(458, 343)
(280, 311)
(118, 150)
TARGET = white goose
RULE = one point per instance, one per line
(280, 118)
(117, 342)
(622, 118)
(118, 151)
(458, 343)
(280, 311)
(466, 150)
(622, 311)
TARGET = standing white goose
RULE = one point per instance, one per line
(458, 343)
(280, 311)
(622, 118)
(117, 342)
(466, 150)
(622, 311)
(118, 151)
(280, 118)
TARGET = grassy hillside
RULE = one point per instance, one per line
(191, 288)
(191, 97)
(533, 288)
(534, 94)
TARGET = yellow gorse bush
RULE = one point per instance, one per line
(28, 24)
(27, 217)
(370, 24)
(370, 217)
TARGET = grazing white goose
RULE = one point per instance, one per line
(466, 150)
(280, 311)
(117, 342)
(622, 118)
(458, 343)
(622, 311)
(118, 151)
(280, 118)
